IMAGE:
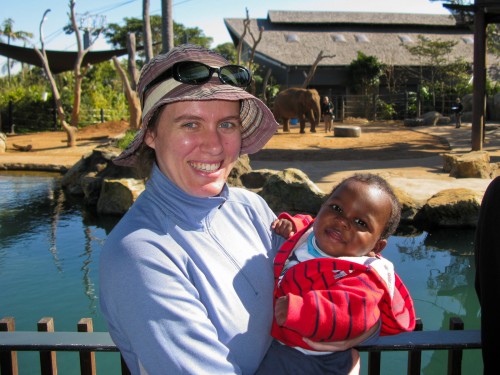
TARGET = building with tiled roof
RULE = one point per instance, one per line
(292, 40)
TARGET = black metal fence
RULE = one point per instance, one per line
(14, 120)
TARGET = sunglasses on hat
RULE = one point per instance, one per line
(197, 73)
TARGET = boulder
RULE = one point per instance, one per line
(96, 165)
(241, 167)
(347, 131)
(292, 191)
(117, 196)
(475, 164)
(411, 122)
(450, 208)
(256, 179)
(409, 206)
(431, 118)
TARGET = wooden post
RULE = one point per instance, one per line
(87, 359)
(455, 356)
(415, 356)
(48, 362)
(8, 360)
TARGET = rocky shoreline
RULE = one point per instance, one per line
(112, 189)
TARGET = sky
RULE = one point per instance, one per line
(208, 15)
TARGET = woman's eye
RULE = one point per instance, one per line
(360, 223)
(227, 125)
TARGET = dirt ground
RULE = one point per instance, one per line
(378, 141)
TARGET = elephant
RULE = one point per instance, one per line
(298, 103)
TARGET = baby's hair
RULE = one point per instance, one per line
(379, 182)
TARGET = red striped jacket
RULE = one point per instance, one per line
(333, 299)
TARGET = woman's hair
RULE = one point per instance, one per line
(380, 183)
(146, 156)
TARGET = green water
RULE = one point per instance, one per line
(49, 257)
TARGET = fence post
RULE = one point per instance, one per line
(8, 360)
(415, 356)
(455, 356)
(10, 116)
(48, 361)
(87, 359)
(102, 115)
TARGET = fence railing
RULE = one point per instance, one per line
(47, 343)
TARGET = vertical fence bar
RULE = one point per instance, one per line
(48, 361)
(87, 359)
(455, 356)
(415, 356)
(8, 360)
(125, 370)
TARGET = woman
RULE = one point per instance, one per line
(186, 278)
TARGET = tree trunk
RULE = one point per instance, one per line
(167, 28)
(132, 67)
(132, 98)
(146, 31)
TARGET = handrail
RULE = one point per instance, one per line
(454, 340)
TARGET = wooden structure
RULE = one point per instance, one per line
(87, 342)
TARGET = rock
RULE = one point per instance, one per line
(117, 196)
(347, 131)
(97, 164)
(431, 118)
(257, 179)
(409, 206)
(292, 191)
(475, 164)
(241, 167)
(411, 122)
(450, 208)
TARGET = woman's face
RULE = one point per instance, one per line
(197, 144)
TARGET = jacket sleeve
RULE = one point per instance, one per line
(299, 221)
(345, 311)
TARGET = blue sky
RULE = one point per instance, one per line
(206, 14)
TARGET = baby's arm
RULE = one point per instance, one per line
(283, 228)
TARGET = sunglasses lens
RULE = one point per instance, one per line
(235, 75)
(192, 72)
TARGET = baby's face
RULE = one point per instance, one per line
(352, 220)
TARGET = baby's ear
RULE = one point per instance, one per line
(379, 246)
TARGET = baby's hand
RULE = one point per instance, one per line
(283, 228)
(281, 310)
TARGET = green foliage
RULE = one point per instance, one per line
(117, 35)
(101, 89)
(386, 111)
(126, 140)
(364, 73)
(228, 51)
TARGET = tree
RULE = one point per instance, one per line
(434, 57)
(8, 32)
(146, 31)
(116, 35)
(78, 76)
(365, 73)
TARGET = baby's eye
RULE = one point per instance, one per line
(336, 208)
(360, 223)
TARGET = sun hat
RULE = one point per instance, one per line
(258, 123)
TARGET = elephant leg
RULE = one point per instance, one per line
(311, 119)
(286, 126)
(302, 125)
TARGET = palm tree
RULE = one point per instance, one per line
(8, 32)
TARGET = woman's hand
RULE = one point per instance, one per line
(341, 345)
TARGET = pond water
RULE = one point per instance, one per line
(49, 258)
